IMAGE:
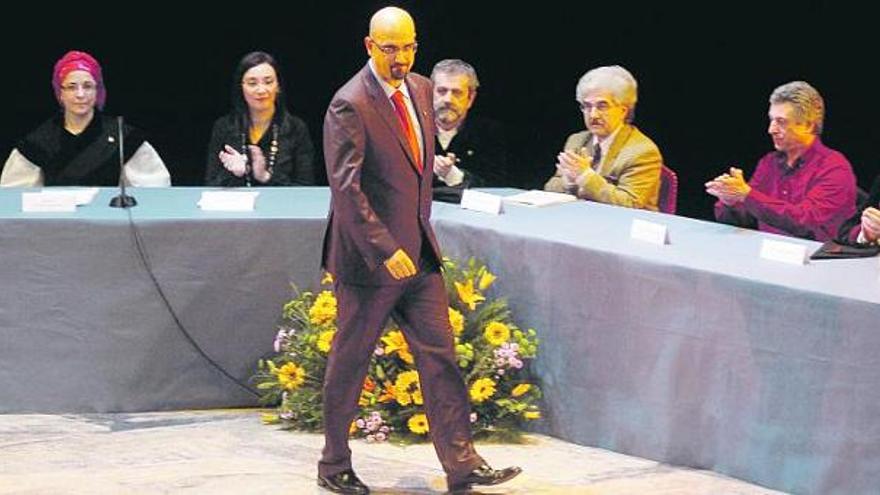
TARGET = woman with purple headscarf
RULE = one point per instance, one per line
(78, 146)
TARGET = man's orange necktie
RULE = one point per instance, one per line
(406, 125)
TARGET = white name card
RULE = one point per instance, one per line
(480, 201)
(228, 200)
(655, 233)
(84, 195)
(48, 201)
(785, 252)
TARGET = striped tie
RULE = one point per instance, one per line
(406, 125)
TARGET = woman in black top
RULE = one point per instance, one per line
(78, 146)
(259, 143)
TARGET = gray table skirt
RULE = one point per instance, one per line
(696, 353)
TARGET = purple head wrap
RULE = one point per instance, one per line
(74, 60)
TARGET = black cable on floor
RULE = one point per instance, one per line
(142, 255)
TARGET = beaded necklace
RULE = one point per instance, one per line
(273, 153)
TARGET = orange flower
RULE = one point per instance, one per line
(387, 394)
(367, 392)
(369, 384)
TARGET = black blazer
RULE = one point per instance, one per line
(850, 229)
(481, 148)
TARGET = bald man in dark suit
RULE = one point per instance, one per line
(382, 251)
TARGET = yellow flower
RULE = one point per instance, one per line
(325, 339)
(291, 376)
(456, 321)
(520, 389)
(496, 333)
(418, 424)
(353, 427)
(407, 389)
(532, 414)
(328, 278)
(395, 342)
(468, 295)
(486, 280)
(482, 389)
(324, 309)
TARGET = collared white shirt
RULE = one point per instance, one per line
(410, 108)
(455, 175)
(445, 137)
(604, 145)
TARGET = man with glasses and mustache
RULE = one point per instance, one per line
(803, 188)
(471, 151)
(612, 161)
(382, 251)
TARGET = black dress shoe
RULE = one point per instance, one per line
(343, 482)
(485, 475)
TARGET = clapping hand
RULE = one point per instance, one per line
(571, 165)
(261, 174)
(731, 188)
(233, 161)
(443, 164)
(871, 224)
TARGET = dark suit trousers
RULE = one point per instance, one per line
(420, 308)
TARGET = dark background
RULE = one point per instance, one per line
(704, 73)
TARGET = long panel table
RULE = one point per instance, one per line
(696, 353)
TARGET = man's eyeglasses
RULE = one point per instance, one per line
(86, 87)
(394, 49)
(601, 107)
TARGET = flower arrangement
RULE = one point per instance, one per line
(493, 355)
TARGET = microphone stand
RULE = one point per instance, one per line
(122, 200)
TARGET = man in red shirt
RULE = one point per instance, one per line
(803, 189)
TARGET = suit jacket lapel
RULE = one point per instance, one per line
(425, 123)
(383, 106)
(619, 140)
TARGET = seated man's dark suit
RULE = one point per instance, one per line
(849, 231)
(481, 148)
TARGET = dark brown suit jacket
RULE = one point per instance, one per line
(380, 202)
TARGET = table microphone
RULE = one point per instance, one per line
(122, 200)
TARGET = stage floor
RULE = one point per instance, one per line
(220, 452)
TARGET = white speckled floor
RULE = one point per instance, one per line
(220, 452)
